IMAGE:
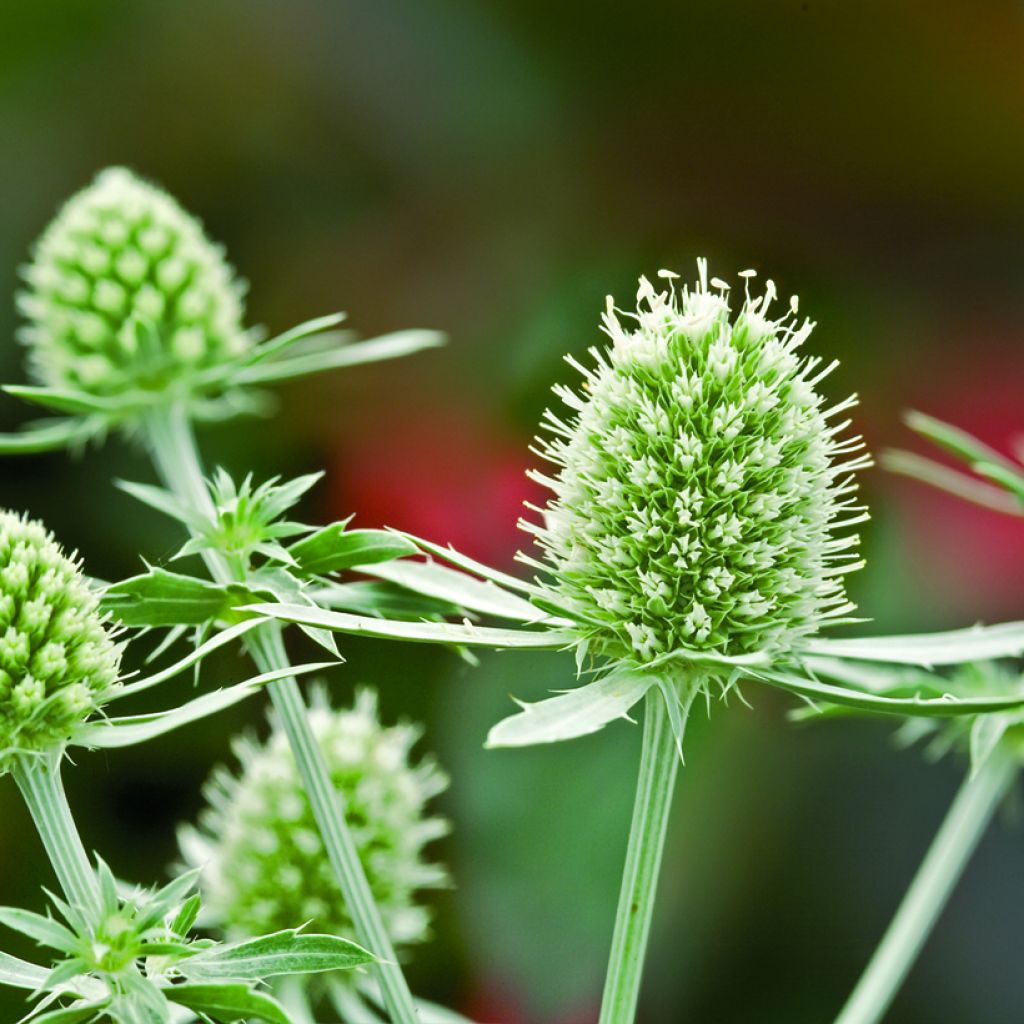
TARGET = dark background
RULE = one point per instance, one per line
(494, 170)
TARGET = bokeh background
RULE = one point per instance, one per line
(494, 170)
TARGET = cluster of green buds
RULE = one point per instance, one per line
(699, 494)
(126, 292)
(263, 863)
(58, 660)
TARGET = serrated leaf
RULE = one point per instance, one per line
(43, 930)
(388, 346)
(161, 598)
(976, 643)
(578, 712)
(423, 632)
(228, 1002)
(335, 548)
(284, 952)
(18, 973)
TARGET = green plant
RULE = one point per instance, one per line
(698, 537)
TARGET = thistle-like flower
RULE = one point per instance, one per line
(699, 493)
(126, 292)
(264, 865)
(58, 661)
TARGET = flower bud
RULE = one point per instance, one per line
(125, 291)
(264, 865)
(58, 663)
(699, 483)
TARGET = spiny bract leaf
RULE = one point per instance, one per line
(285, 952)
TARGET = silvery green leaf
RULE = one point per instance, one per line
(77, 403)
(71, 1014)
(334, 548)
(946, 706)
(577, 712)
(388, 346)
(48, 436)
(871, 676)
(162, 501)
(470, 565)
(274, 346)
(219, 639)
(976, 643)
(458, 588)
(927, 471)
(284, 952)
(18, 973)
(955, 440)
(129, 730)
(1011, 480)
(228, 1001)
(986, 732)
(678, 705)
(43, 930)
(465, 634)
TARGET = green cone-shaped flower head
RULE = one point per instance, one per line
(58, 663)
(126, 292)
(264, 865)
(698, 491)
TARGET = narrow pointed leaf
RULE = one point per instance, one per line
(986, 732)
(46, 437)
(334, 548)
(72, 1014)
(380, 598)
(162, 501)
(228, 1002)
(955, 440)
(67, 400)
(577, 713)
(125, 732)
(19, 973)
(218, 640)
(927, 471)
(976, 643)
(946, 706)
(458, 588)
(389, 346)
(466, 634)
(43, 930)
(274, 346)
(284, 952)
(470, 565)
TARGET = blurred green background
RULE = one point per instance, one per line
(494, 170)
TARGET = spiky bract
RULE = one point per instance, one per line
(264, 864)
(699, 487)
(126, 292)
(58, 663)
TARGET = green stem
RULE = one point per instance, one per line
(175, 455)
(40, 783)
(939, 872)
(659, 765)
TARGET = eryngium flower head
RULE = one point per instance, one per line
(264, 865)
(58, 663)
(126, 291)
(698, 491)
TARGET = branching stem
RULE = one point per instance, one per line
(175, 455)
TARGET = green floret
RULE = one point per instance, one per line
(264, 864)
(127, 292)
(58, 663)
(699, 488)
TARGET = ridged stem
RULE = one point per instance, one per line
(956, 840)
(176, 457)
(659, 765)
(41, 785)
